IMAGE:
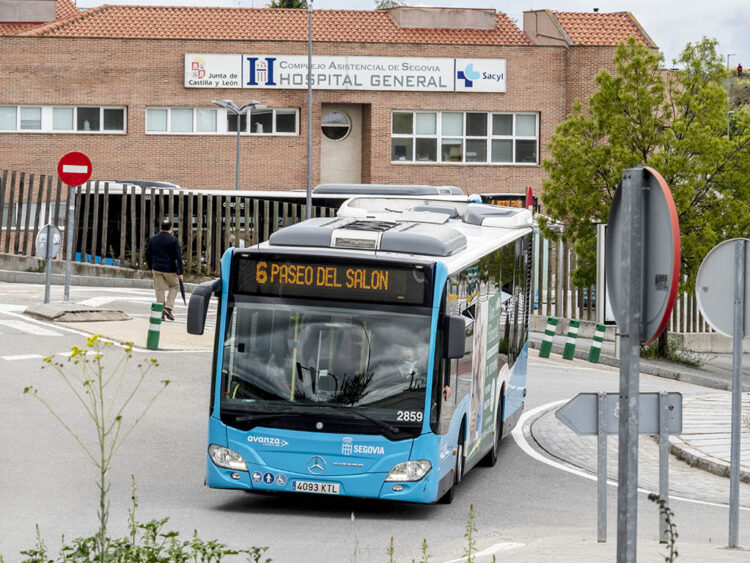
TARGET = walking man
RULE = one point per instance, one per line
(164, 259)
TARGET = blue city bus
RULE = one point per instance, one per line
(380, 353)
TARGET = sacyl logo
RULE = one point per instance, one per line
(261, 71)
(468, 75)
(267, 441)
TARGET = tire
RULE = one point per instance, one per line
(490, 459)
(458, 472)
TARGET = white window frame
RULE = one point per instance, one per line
(194, 130)
(222, 126)
(47, 120)
(489, 137)
(273, 132)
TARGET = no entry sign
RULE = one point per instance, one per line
(74, 168)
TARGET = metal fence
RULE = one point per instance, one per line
(114, 225)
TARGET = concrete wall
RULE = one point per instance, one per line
(13, 263)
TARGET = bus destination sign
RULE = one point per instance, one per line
(301, 278)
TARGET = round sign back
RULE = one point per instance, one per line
(714, 286)
(49, 238)
(661, 255)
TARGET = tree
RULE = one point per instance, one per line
(674, 121)
(294, 4)
(385, 4)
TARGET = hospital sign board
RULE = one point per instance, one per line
(285, 72)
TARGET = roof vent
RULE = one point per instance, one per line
(496, 216)
(385, 189)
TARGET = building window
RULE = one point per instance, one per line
(63, 119)
(209, 121)
(336, 125)
(8, 118)
(31, 118)
(464, 137)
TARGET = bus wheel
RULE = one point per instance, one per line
(458, 472)
(490, 459)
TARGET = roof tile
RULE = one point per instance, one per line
(586, 28)
(258, 24)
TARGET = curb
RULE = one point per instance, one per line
(650, 369)
(691, 456)
(696, 458)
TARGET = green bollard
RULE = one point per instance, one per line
(549, 334)
(154, 327)
(570, 344)
(596, 345)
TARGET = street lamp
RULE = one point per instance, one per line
(730, 55)
(239, 112)
(729, 114)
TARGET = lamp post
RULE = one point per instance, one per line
(729, 55)
(729, 114)
(239, 112)
(308, 199)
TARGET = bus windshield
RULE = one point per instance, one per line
(351, 370)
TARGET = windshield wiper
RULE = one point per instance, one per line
(243, 416)
(389, 427)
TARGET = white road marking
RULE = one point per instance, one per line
(104, 300)
(520, 439)
(11, 308)
(492, 550)
(22, 357)
(29, 328)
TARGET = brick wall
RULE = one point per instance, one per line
(141, 73)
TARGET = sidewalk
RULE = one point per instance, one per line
(706, 438)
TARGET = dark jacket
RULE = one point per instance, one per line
(163, 253)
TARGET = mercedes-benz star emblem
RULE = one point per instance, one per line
(316, 465)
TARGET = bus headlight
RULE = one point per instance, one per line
(224, 457)
(409, 470)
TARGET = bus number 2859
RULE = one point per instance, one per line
(408, 416)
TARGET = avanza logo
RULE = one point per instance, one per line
(267, 441)
(261, 71)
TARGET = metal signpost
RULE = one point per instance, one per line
(724, 301)
(74, 169)
(598, 413)
(643, 265)
(48, 243)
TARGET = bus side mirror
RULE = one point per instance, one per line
(454, 336)
(198, 306)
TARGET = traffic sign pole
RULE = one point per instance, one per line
(739, 329)
(69, 236)
(48, 269)
(74, 169)
(631, 269)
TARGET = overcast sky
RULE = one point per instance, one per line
(670, 23)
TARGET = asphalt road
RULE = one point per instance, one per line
(47, 480)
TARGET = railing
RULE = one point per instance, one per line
(114, 225)
(556, 296)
